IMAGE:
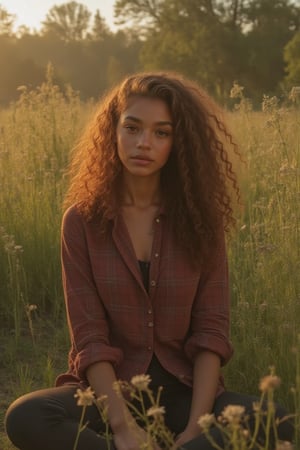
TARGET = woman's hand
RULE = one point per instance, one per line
(184, 437)
(132, 437)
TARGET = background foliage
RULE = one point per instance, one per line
(253, 42)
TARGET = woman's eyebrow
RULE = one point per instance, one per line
(137, 120)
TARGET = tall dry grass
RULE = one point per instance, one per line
(36, 135)
(35, 138)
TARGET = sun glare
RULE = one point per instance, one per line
(31, 13)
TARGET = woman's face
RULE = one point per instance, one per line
(144, 136)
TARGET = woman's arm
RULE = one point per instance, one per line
(127, 434)
(101, 377)
(209, 345)
(210, 319)
(206, 376)
(87, 317)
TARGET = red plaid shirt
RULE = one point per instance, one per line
(113, 318)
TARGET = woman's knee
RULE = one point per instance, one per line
(27, 417)
(20, 419)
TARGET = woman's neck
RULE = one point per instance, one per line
(141, 192)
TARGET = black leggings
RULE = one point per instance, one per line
(48, 419)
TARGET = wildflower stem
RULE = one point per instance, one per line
(270, 416)
(257, 415)
(80, 427)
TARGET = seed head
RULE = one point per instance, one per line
(31, 307)
(85, 398)
(236, 91)
(206, 421)
(155, 411)
(120, 386)
(141, 382)
(269, 382)
(233, 413)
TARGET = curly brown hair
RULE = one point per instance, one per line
(198, 178)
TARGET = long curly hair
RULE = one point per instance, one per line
(198, 180)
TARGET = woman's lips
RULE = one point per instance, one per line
(141, 160)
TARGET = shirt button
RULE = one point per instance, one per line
(149, 311)
(150, 324)
(157, 220)
(149, 348)
(153, 283)
(156, 255)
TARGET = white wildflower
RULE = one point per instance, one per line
(206, 421)
(236, 91)
(141, 382)
(233, 413)
(269, 382)
(31, 307)
(155, 411)
(85, 398)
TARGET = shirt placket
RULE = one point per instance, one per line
(153, 281)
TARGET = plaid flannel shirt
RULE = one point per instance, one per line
(113, 318)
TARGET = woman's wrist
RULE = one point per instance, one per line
(118, 424)
(193, 429)
(121, 423)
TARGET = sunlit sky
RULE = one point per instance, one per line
(32, 12)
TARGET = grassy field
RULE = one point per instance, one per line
(36, 135)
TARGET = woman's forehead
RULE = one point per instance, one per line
(147, 107)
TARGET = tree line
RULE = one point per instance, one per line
(255, 43)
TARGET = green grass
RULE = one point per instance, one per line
(30, 364)
(264, 252)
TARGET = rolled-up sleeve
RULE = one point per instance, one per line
(87, 318)
(210, 322)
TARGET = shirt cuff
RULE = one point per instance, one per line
(94, 353)
(215, 344)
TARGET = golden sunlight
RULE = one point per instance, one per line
(32, 13)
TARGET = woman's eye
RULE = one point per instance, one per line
(131, 128)
(162, 133)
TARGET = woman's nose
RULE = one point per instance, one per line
(144, 140)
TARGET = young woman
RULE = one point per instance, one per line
(144, 270)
